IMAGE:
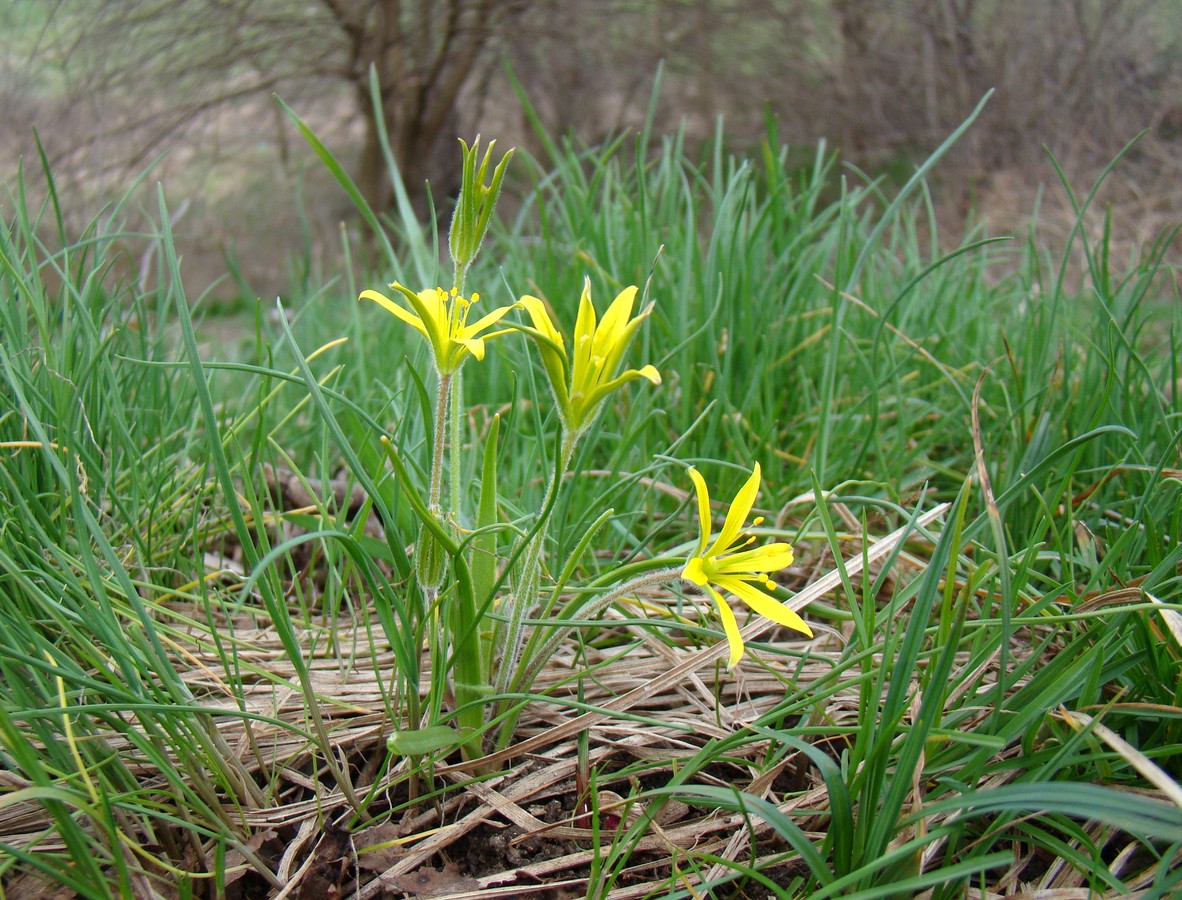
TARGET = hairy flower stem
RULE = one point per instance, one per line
(454, 418)
(561, 628)
(430, 562)
(437, 450)
(456, 413)
(526, 588)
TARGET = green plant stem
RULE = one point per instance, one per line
(533, 664)
(526, 588)
(437, 450)
(429, 563)
(456, 413)
(455, 417)
(466, 662)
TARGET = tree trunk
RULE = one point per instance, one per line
(373, 180)
(419, 90)
(852, 79)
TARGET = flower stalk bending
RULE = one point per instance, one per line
(580, 382)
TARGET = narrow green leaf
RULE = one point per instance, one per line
(484, 544)
(424, 741)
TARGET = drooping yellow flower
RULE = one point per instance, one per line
(441, 317)
(581, 384)
(727, 565)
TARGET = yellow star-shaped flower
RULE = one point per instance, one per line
(581, 384)
(728, 566)
(441, 317)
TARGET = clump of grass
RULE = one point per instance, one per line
(107, 512)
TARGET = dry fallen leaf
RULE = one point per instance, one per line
(379, 847)
(428, 882)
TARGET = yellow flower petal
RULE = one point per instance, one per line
(703, 510)
(475, 346)
(540, 316)
(762, 604)
(768, 558)
(694, 572)
(584, 341)
(390, 306)
(730, 625)
(614, 354)
(597, 394)
(431, 305)
(737, 515)
(484, 321)
(615, 320)
(583, 380)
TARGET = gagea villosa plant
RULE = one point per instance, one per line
(488, 615)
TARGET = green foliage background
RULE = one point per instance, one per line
(827, 326)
